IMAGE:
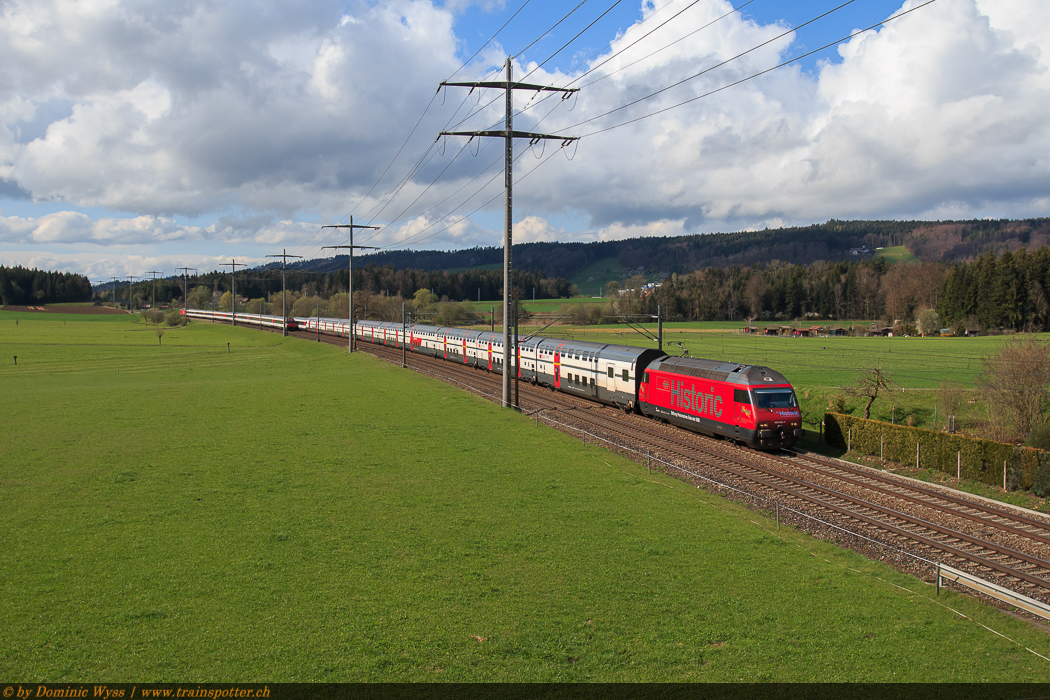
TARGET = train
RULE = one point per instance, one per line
(747, 404)
(247, 319)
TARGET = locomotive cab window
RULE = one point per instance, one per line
(645, 378)
(741, 396)
(775, 398)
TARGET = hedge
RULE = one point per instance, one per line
(982, 460)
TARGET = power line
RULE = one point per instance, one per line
(555, 26)
(742, 80)
(717, 65)
(508, 135)
(233, 287)
(350, 280)
(489, 41)
(284, 290)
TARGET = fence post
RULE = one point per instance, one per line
(882, 447)
(938, 579)
(849, 439)
(916, 455)
(958, 466)
(1004, 475)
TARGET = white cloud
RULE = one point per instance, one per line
(101, 266)
(254, 118)
(182, 108)
(535, 229)
(940, 109)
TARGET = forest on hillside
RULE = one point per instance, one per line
(937, 241)
(21, 286)
(1006, 291)
(980, 274)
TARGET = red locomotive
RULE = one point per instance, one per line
(745, 403)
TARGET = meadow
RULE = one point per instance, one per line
(223, 504)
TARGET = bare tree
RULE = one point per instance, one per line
(754, 292)
(868, 385)
(928, 322)
(1016, 384)
(951, 396)
(897, 288)
(866, 286)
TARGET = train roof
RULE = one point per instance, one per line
(608, 351)
(719, 370)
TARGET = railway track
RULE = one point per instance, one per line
(911, 525)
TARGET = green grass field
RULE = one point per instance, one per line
(591, 280)
(273, 510)
(896, 254)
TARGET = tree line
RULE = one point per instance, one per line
(1007, 291)
(21, 286)
(937, 241)
(264, 286)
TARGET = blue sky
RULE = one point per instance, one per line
(476, 24)
(152, 135)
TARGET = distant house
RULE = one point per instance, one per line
(838, 331)
(973, 332)
(884, 331)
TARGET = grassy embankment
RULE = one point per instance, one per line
(277, 511)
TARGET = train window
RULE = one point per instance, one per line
(626, 375)
(741, 396)
(611, 375)
(645, 379)
(592, 382)
(775, 398)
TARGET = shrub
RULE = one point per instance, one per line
(1039, 438)
(152, 316)
(982, 460)
(174, 318)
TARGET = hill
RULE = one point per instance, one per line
(591, 265)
